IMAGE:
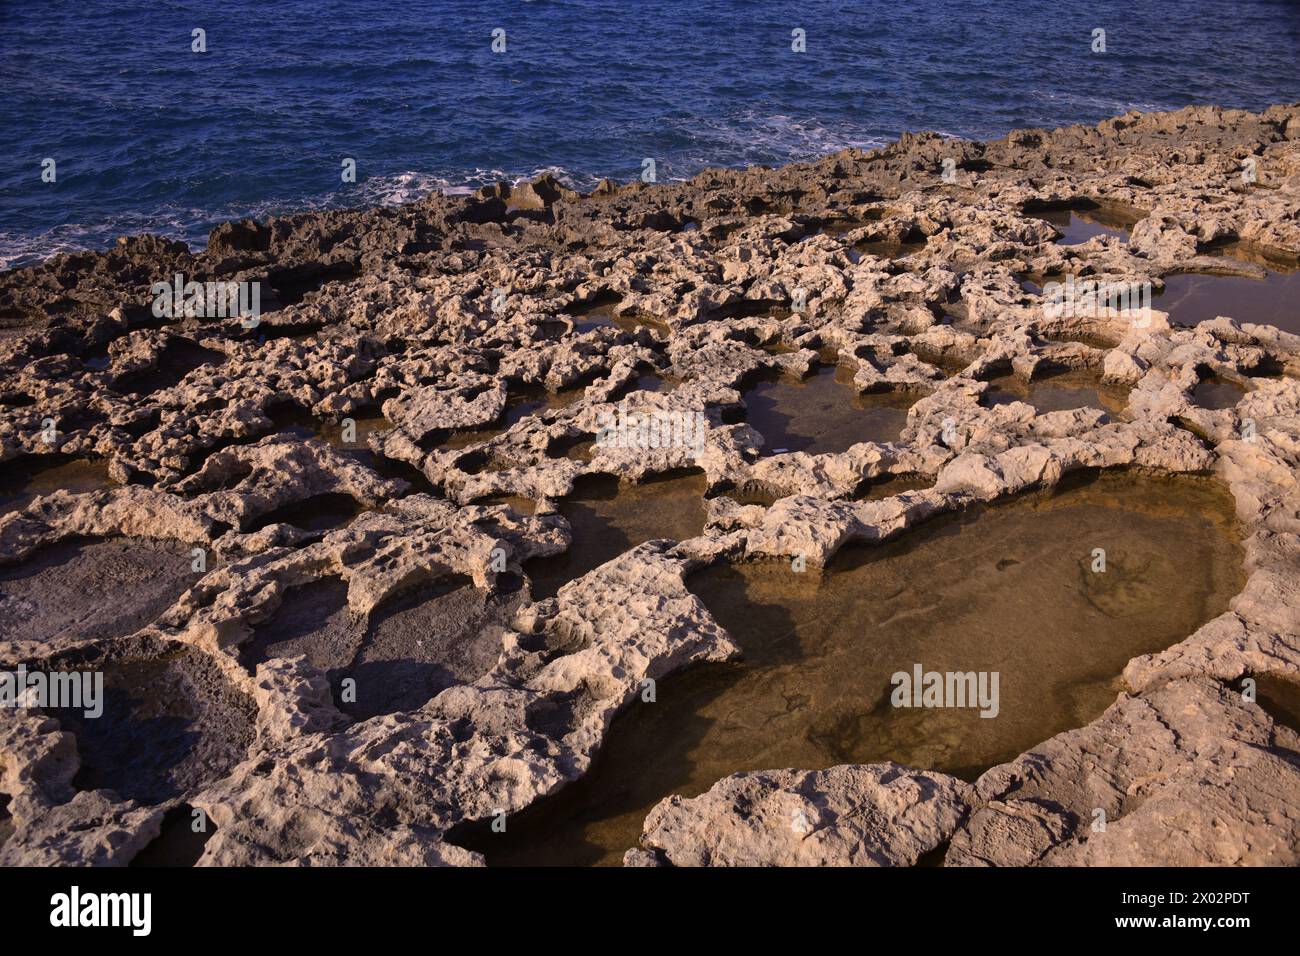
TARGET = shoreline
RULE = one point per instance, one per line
(324, 204)
(478, 342)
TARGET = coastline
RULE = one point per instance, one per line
(429, 320)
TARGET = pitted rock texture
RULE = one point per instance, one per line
(496, 336)
(872, 815)
(1188, 772)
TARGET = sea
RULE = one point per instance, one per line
(120, 117)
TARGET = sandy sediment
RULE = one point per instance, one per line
(526, 317)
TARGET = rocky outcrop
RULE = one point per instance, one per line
(872, 815)
(414, 364)
(1185, 774)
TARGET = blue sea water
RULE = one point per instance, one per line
(150, 136)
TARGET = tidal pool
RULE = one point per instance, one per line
(823, 413)
(1194, 297)
(523, 400)
(25, 479)
(888, 249)
(887, 486)
(1216, 394)
(600, 315)
(593, 312)
(1081, 223)
(609, 517)
(365, 424)
(1058, 392)
(1010, 589)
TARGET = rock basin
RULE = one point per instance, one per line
(1216, 394)
(1010, 589)
(410, 649)
(90, 589)
(823, 413)
(1081, 222)
(608, 517)
(1194, 297)
(524, 400)
(171, 721)
(24, 480)
(1057, 392)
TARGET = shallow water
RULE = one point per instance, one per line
(1193, 297)
(886, 486)
(596, 319)
(524, 506)
(1196, 297)
(1010, 590)
(823, 413)
(22, 481)
(1215, 394)
(598, 313)
(1059, 392)
(609, 517)
(523, 400)
(1081, 224)
(367, 424)
(886, 249)
(602, 317)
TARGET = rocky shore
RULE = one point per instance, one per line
(305, 551)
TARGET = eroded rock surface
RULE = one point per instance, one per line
(1186, 773)
(868, 815)
(493, 338)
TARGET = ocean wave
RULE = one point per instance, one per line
(18, 250)
(174, 144)
(193, 226)
(750, 137)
